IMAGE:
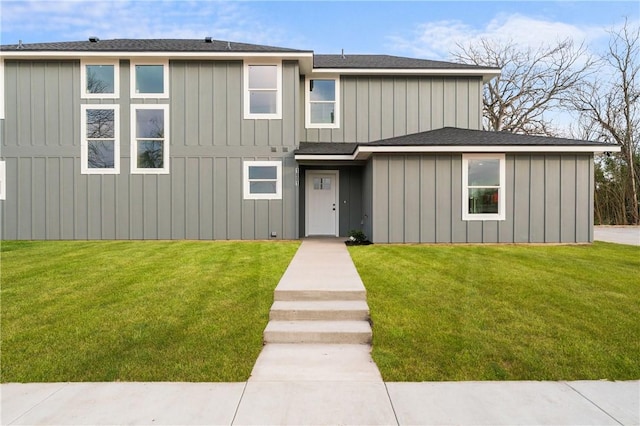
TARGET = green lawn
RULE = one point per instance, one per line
(136, 311)
(503, 312)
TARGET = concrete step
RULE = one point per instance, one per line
(331, 310)
(318, 295)
(351, 332)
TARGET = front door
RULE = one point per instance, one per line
(322, 203)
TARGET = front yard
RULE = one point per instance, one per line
(136, 311)
(503, 312)
(195, 311)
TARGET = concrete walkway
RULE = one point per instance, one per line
(322, 402)
(617, 234)
(316, 383)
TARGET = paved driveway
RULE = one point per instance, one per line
(618, 234)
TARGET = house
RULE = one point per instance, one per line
(207, 139)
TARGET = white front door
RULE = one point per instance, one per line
(322, 203)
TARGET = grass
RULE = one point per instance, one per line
(503, 312)
(136, 311)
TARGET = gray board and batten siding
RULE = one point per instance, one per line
(380, 107)
(201, 197)
(418, 199)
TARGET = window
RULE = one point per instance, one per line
(150, 138)
(100, 79)
(483, 187)
(100, 146)
(150, 79)
(263, 180)
(263, 95)
(322, 103)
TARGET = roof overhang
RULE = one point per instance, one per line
(363, 152)
(486, 73)
(305, 58)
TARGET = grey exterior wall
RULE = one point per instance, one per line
(418, 198)
(374, 108)
(351, 197)
(201, 198)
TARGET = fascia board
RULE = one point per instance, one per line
(363, 152)
(486, 74)
(490, 149)
(15, 54)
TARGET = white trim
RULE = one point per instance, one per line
(154, 54)
(165, 78)
(134, 141)
(307, 103)
(363, 152)
(3, 180)
(83, 78)
(247, 93)
(486, 74)
(84, 143)
(247, 195)
(2, 89)
(307, 191)
(306, 157)
(466, 216)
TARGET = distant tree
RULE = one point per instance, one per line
(533, 82)
(609, 111)
(94, 84)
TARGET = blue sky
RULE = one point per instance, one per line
(427, 29)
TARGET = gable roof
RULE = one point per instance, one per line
(385, 61)
(449, 139)
(144, 45)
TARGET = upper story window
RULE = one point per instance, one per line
(263, 90)
(149, 138)
(100, 146)
(150, 79)
(100, 79)
(322, 103)
(483, 187)
(262, 180)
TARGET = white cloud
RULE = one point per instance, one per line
(435, 40)
(39, 20)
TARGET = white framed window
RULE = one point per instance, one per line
(322, 103)
(150, 138)
(100, 79)
(149, 79)
(262, 180)
(100, 142)
(483, 186)
(263, 90)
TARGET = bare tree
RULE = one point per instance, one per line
(533, 83)
(608, 106)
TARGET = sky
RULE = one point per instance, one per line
(421, 29)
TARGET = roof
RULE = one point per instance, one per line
(450, 139)
(145, 45)
(453, 136)
(208, 48)
(385, 61)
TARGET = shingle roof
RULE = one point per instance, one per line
(326, 148)
(145, 45)
(447, 136)
(385, 61)
(455, 137)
